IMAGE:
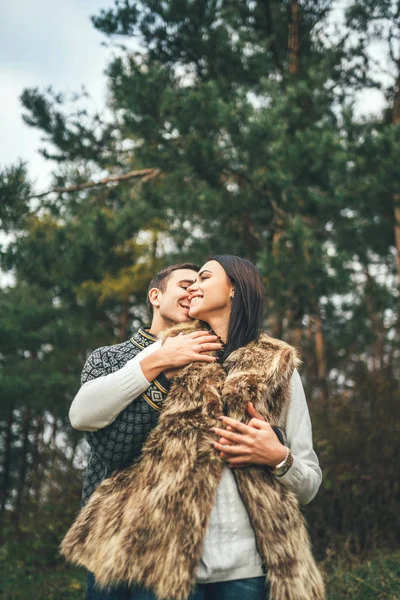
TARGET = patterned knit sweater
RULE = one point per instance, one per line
(117, 445)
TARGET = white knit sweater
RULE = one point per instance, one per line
(229, 550)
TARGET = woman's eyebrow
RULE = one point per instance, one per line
(205, 271)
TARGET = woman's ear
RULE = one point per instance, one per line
(154, 295)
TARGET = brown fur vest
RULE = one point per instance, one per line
(146, 524)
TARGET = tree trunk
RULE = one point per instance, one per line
(275, 324)
(6, 467)
(396, 197)
(23, 465)
(123, 322)
(37, 458)
(295, 333)
(320, 356)
(273, 17)
(53, 430)
(293, 44)
(377, 346)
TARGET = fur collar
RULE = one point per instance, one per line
(146, 524)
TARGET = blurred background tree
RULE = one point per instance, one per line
(246, 112)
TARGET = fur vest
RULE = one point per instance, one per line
(146, 524)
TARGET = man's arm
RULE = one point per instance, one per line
(100, 399)
(103, 397)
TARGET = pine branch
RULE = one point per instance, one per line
(146, 174)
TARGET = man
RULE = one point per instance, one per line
(120, 399)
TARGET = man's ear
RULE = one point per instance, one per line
(154, 297)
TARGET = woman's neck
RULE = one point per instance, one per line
(219, 325)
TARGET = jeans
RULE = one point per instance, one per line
(238, 589)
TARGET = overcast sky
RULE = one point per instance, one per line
(53, 43)
(43, 43)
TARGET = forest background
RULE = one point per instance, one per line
(231, 127)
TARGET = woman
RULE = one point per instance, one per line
(184, 513)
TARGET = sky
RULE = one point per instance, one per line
(45, 43)
(48, 43)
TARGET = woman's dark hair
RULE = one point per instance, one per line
(247, 303)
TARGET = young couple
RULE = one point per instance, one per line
(201, 450)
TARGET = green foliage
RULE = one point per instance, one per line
(377, 579)
(14, 192)
(30, 564)
(261, 154)
(54, 584)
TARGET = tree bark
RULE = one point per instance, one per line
(320, 355)
(377, 347)
(275, 324)
(396, 197)
(293, 44)
(271, 19)
(53, 430)
(23, 469)
(37, 458)
(123, 322)
(4, 491)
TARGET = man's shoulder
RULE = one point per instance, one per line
(115, 351)
(108, 359)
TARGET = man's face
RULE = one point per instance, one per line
(174, 301)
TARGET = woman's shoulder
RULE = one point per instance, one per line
(271, 342)
(277, 351)
(188, 327)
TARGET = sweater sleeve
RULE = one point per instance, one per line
(304, 476)
(103, 396)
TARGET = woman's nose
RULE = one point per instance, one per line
(192, 288)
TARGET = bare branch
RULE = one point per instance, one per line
(146, 174)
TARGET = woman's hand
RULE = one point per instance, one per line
(256, 443)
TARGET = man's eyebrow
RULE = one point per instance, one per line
(186, 281)
(205, 271)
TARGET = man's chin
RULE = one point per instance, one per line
(185, 317)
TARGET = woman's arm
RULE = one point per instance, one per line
(304, 476)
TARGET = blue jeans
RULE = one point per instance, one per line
(239, 589)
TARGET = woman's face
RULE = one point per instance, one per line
(211, 294)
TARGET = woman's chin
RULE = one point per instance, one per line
(194, 313)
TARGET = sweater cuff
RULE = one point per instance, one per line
(164, 381)
(132, 379)
(293, 475)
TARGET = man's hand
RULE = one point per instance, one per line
(256, 443)
(185, 348)
(179, 351)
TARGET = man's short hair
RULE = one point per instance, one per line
(160, 280)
